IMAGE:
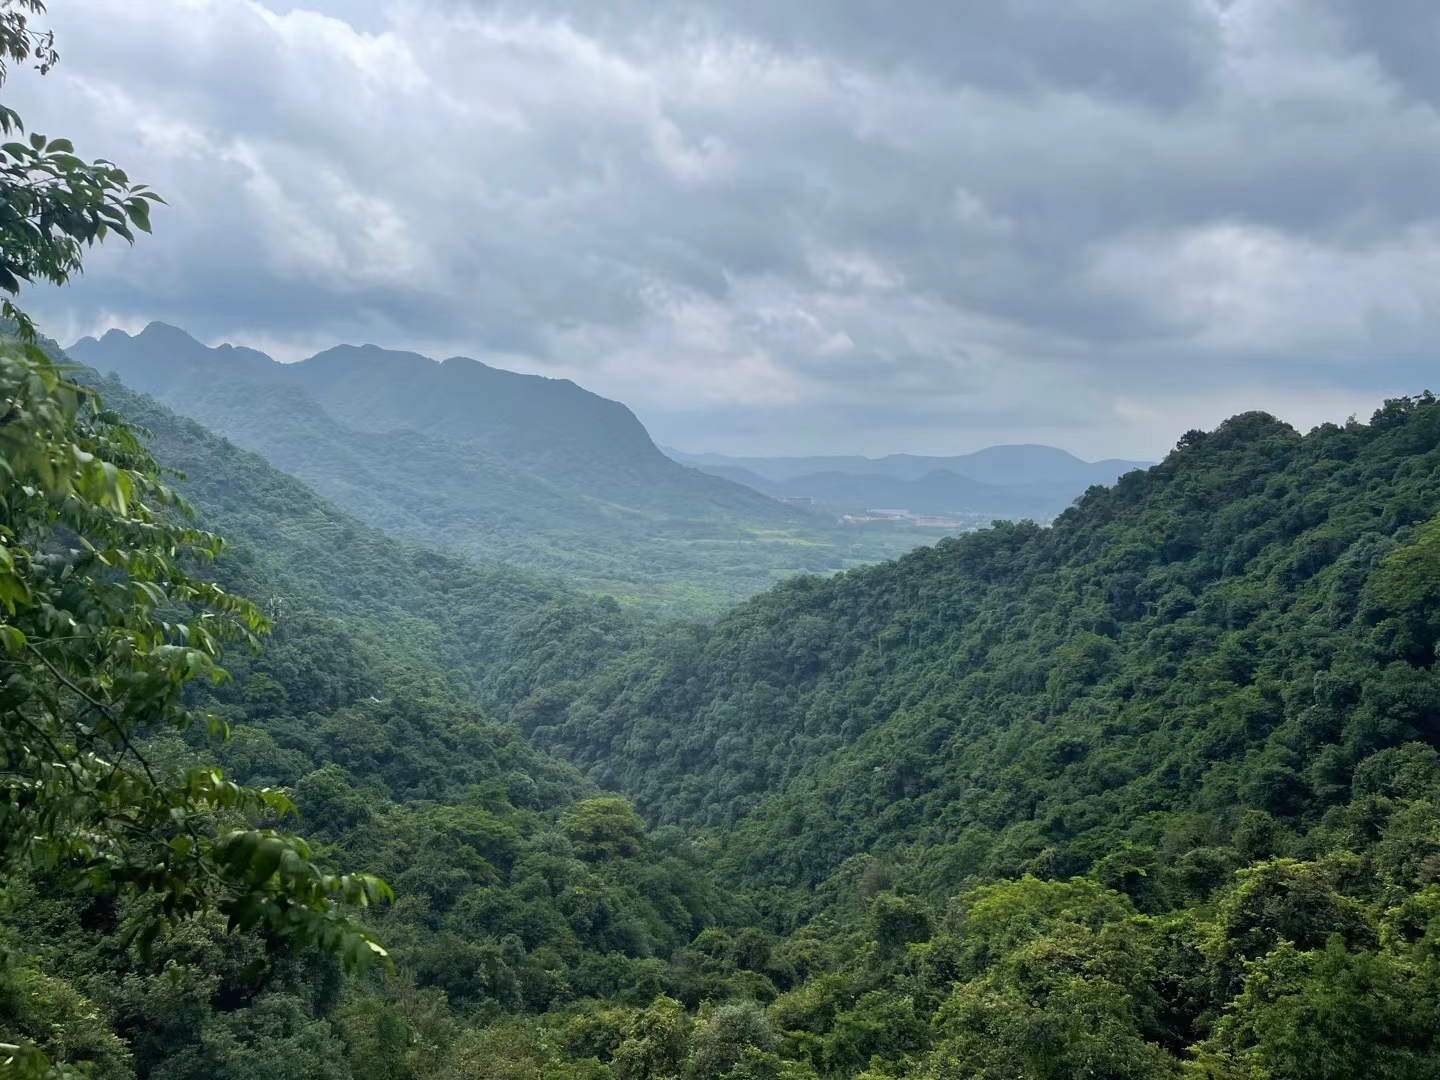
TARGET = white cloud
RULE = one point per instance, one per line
(1253, 292)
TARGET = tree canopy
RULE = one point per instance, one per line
(106, 616)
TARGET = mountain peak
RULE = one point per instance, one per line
(156, 330)
(160, 353)
(367, 355)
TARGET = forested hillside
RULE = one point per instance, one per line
(493, 630)
(1191, 730)
(495, 465)
(1147, 793)
(519, 884)
(1152, 793)
(1223, 633)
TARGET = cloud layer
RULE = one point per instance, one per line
(828, 225)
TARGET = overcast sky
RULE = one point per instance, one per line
(779, 226)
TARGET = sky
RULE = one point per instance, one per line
(789, 226)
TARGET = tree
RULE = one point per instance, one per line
(105, 617)
(104, 620)
(52, 204)
(657, 1043)
(1326, 1013)
(725, 1037)
(605, 828)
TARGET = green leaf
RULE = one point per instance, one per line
(140, 214)
(13, 640)
(265, 861)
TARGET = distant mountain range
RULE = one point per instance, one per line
(1023, 480)
(524, 426)
(492, 464)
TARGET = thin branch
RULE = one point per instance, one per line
(59, 757)
(99, 706)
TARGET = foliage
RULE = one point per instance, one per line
(52, 204)
(359, 707)
(103, 625)
(1183, 672)
(1137, 831)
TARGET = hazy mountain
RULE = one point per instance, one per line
(548, 427)
(492, 464)
(937, 492)
(1021, 463)
(1004, 480)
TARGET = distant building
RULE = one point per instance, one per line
(795, 500)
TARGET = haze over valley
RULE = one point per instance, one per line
(1036, 482)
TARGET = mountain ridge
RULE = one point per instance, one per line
(1002, 463)
(1185, 610)
(493, 465)
(1151, 786)
(1025, 480)
(389, 390)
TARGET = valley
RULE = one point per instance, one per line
(381, 717)
(542, 475)
(1016, 482)
(866, 823)
(537, 473)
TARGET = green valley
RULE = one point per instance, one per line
(374, 718)
(1147, 792)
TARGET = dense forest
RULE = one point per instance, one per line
(1150, 792)
(1147, 792)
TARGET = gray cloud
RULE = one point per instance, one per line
(1160, 53)
(1403, 36)
(836, 225)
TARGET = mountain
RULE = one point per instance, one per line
(1024, 463)
(371, 704)
(493, 465)
(1148, 793)
(938, 492)
(495, 631)
(529, 425)
(1004, 481)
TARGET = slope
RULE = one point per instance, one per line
(520, 886)
(301, 555)
(1197, 657)
(491, 464)
(1212, 689)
